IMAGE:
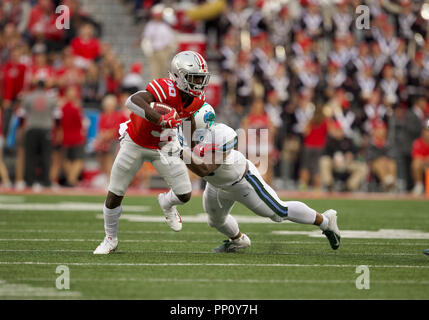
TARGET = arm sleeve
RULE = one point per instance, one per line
(135, 108)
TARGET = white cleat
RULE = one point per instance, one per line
(107, 246)
(332, 232)
(234, 245)
(172, 216)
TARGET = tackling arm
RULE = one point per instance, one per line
(195, 163)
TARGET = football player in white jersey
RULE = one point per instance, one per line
(235, 178)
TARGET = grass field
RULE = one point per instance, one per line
(39, 233)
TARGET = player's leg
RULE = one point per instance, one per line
(127, 163)
(175, 173)
(259, 197)
(218, 209)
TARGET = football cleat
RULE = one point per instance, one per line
(172, 216)
(234, 245)
(107, 246)
(426, 251)
(332, 232)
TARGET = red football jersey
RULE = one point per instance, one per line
(147, 134)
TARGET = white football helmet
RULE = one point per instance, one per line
(189, 72)
(205, 116)
(204, 119)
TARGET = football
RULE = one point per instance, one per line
(162, 108)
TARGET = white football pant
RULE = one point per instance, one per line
(131, 157)
(253, 192)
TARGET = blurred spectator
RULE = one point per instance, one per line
(281, 28)
(85, 46)
(420, 162)
(41, 70)
(73, 136)
(380, 157)
(68, 74)
(342, 18)
(314, 142)
(257, 120)
(17, 12)
(108, 126)
(389, 87)
(244, 80)
(42, 25)
(39, 107)
(339, 162)
(133, 81)
(13, 72)
(411, 127)
(157, 39)
(4, 175)
(93, 88)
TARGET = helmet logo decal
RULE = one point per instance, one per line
(200, 58)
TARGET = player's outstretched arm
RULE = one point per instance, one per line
(197, 165)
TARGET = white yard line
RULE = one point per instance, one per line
(423, 244)
(184, 264)
(210, 280)
(209, 252)
(364, 234)
(25, 290)
(102, 232)
(66, 206)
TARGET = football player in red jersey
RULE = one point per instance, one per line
(141, 141)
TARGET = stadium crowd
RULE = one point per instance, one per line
(345, 106)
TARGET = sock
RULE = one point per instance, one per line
(111, 221)
(325, 222)
(301, 213)
(171, 199)
(230, 227)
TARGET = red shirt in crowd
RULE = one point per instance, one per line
(420, 149)
(109, 121)
(88, 49)
(72, 125)
(42, 72)
(316, 138)
(68, 77)
(44, 23)
(13, 79)
(259, 121)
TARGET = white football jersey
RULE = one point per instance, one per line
(230, 171)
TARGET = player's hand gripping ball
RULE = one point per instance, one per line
(169, 117)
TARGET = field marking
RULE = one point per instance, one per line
(102, 232)
(198, 218)
(25, 290)
(66, 206)
(15, 199)
(207, 280)
(185, 264)
(209, 252)
(364, 234)
(208, 241)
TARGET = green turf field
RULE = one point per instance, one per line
(40, 233)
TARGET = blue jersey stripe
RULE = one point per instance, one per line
(264, 193)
